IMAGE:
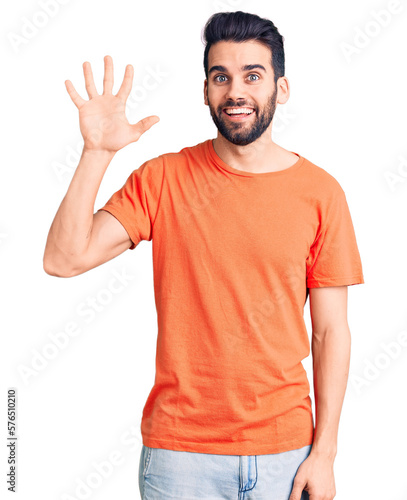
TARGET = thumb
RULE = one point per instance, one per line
(143, 125)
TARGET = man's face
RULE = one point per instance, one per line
(240, 79)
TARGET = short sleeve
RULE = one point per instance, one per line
(136, 203)
(334, 258)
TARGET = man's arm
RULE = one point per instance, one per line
(78, 239)
(331, 344)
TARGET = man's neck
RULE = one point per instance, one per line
(262, 155)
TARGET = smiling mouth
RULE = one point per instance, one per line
(238, 111)
(238, 114)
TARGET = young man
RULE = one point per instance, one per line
(243, 231)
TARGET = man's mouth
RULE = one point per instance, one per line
(238, 113)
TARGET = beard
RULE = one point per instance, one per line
(242, 134)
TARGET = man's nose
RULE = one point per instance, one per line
(235, 90)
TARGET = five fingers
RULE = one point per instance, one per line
(122, 94)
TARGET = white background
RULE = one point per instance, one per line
(345, 114)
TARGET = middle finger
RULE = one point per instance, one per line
(108, 79)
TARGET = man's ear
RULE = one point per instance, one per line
(283, 90)
(206, 92)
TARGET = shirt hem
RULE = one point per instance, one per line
(346, 280)
(135, 240)
(231, 448)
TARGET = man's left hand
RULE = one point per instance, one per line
(316, 476)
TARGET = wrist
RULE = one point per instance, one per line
(98, 152)
(327, 452)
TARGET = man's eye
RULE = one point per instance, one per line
(219, 76)
(222, 78)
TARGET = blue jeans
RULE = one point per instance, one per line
(168, 474)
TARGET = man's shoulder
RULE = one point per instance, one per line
(320, 178)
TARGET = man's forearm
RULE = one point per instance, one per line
(69, 234)
(331, 358)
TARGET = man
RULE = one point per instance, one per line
(243, 231)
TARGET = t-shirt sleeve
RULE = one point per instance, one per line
(334, 258)
(136, 203)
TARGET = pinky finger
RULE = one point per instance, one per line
(76, 98)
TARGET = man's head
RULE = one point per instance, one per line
(244, 68)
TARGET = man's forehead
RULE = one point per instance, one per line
(251, 52)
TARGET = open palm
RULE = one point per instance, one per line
(102, 119)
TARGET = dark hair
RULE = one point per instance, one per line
(241, 26)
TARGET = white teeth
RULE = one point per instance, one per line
(238, 111)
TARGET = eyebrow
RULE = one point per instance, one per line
(248, 67)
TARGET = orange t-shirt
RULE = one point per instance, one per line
(233, 255)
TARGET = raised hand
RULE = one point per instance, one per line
(102, 119)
